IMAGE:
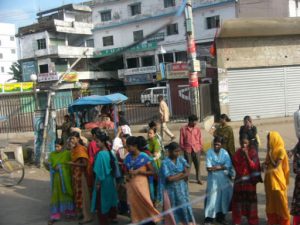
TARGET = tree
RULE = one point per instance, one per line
(16, 71)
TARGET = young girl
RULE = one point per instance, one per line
(175, 172)
(154, 146)
(61, 187)
(247, 167)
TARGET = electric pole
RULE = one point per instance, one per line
(194, 64)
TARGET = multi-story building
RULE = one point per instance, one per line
(118, 24)
(49, 47)
(8, 50)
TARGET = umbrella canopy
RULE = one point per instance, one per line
(93, 100)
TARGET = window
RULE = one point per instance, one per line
(138, 35)
(135, 9)
(148, 61)
(2, 69)
(1, 55)
(167, 58)
(108, 40)
(41, 43)
(157, 91)
(213, 22)
(12, 38)
(90, 43)
(172, 29)
(105, 15)
(181, 56)
(133, 63)
(13, 51)
(44, 68)
(169, 3)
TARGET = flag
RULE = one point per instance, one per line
(213, 48)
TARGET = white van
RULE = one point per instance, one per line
(150, 95)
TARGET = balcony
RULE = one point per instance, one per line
(73, 27)
(65, 51)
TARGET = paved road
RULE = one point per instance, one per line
(28, 204)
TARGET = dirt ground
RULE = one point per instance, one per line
(28, 203)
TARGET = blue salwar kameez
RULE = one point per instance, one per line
(177, 191)
(219, 186)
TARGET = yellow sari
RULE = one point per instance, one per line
(276, 181)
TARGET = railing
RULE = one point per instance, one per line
(19, 108)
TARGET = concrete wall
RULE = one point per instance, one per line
(8, 49)
(262, 8)
(258, 52)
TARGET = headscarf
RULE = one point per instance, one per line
(278, 152)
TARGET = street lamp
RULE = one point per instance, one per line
(33, 78)
(162, 51)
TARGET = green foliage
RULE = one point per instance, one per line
(16, 71)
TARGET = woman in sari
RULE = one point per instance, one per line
(61, 187)
(80, 171)
(105, 197)
(225, 131)
(244, 200)
(219, 186)
(139, 167)
(295, 209)
(174, 176)
(276, 181)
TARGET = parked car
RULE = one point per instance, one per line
(150, 95)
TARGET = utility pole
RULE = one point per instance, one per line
(194, 64)
(51, 93)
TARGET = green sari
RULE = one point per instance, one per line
(61, 182)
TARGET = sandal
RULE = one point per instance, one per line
(84, 221)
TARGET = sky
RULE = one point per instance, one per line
(23, 12)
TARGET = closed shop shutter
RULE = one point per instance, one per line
(292, 89)
(258, 92)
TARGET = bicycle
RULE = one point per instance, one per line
(11, 171)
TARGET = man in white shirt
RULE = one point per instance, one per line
(164, 116)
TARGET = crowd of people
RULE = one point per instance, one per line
(140, 177)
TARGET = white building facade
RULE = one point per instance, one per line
(51, 46)
(8, 50)
(118, 24)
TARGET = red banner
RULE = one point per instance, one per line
(193, 80)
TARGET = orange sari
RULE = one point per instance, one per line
(79, 178)
(276, 182)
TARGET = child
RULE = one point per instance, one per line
(61, 188)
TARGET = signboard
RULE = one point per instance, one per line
(71, 77)
(28, 68)
(157, 37)
(44, 77)
(139, 79)
(179, 67)
(134, 71)
(136, 48)
(16, 87)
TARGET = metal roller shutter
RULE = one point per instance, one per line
(292, 89)
(258, 92)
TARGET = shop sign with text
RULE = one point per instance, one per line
(135, 48)
(45, 77)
